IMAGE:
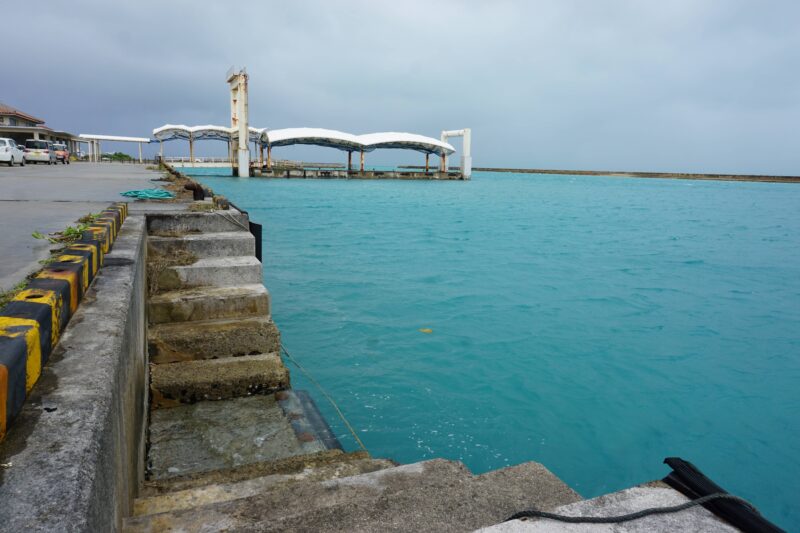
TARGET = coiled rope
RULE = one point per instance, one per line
(324, 393)
(534, 513)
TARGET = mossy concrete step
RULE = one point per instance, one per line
(222, 491)
(212, 339)
(200, 245)
(208, 436)
(435, 495)
(173, 384)
(177, 224)
(207, 303)
(211, 272)
(289, 465)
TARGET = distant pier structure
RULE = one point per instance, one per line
(264, 140)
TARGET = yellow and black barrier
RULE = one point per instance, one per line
(32, 323)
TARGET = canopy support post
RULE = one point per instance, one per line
(362, 160)
(191, 149)
(140, 153)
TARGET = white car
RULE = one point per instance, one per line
(38, 151)
(10, 153)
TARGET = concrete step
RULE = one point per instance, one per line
(201, 245)
(435, 495)
(212, 339)
(655, 494)
(207, 303)
(173, 384)
(222, 491)
(176, 224)
(208, 436)
(295, 464)
(211, 272)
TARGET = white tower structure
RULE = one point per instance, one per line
(466, 156)
(239, 123)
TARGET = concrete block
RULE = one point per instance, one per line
(620, 503)
(211, 272)
(206, 303)
(201, 245)
(211, 339)
(172, 384)
(182, 223)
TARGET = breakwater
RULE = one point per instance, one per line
(636, 174)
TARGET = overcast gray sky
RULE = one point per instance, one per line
(684, 85)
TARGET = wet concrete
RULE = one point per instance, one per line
(214, 435)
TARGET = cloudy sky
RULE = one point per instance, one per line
(683, 85)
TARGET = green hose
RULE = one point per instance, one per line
(149, 194)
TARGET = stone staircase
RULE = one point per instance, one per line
(233, 448)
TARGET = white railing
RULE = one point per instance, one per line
(197, 160)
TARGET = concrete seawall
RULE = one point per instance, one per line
(74, 458)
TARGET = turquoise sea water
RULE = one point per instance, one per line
(594, 324)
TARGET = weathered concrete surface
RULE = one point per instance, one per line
(201, 245)
(48, 198)
(295, 464)
(170, 224)
(212, 435)
(233, 490)
(211, 339)
(696, 519)
(208, 303)
(434, 495)
(211, 272)
(172, 384)
(77, 450)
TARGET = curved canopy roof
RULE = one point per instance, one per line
(169, 132)
(314, 136)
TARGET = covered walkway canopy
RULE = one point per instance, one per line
(340, 140)
(94, 143)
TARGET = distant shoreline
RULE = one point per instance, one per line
(629, 174)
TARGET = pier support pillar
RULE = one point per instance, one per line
(239, 121)
(362, 160)
(427, 160)
(349, 160)
(269, 156)
(260, 155)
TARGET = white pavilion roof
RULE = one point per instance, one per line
(314, 136)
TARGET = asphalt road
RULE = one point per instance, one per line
(47, 198)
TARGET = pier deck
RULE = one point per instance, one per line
(47, 198)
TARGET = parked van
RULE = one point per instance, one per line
(38, 151)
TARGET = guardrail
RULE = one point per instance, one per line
(197, 160)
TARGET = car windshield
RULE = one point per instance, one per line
(37, 145)
(60, 146)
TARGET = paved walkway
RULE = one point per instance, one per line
(47, 198)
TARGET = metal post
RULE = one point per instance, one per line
(191, 149)
(362, 160)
